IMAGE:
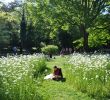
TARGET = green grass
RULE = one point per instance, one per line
(52, 90)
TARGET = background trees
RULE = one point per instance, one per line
(65, 23)
(83, 13)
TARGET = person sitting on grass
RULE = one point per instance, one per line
(56, 75)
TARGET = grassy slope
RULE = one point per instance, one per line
(52, 90)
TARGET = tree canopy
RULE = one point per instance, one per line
(80, 24)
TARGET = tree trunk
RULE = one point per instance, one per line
(21, 48)
(85, 36)
(85, 43)
(50, 55)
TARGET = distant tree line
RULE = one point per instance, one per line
(78, 24)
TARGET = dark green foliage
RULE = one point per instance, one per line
(65, 39)
(30, 36)
(23, 35)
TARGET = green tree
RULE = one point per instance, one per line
(8, 29)
(23, 35)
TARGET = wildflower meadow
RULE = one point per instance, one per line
(90, 74)
(87, 77)
(18, 77)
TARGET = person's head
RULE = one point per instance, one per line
(55, 67)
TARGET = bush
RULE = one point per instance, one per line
(95, 40)
(50, 49)
(39, 67)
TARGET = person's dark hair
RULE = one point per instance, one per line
(55, 67)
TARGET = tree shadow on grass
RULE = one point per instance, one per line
(63, 80)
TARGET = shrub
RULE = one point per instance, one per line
(39, 67)
(50, 49)
(95, 40)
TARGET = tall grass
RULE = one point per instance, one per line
(90, 74)
(17, 74)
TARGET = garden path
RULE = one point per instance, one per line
(53, 90)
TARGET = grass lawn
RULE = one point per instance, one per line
(52, 90)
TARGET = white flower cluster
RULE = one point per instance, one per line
(91, 67)
(90, 61)
(14, 69)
